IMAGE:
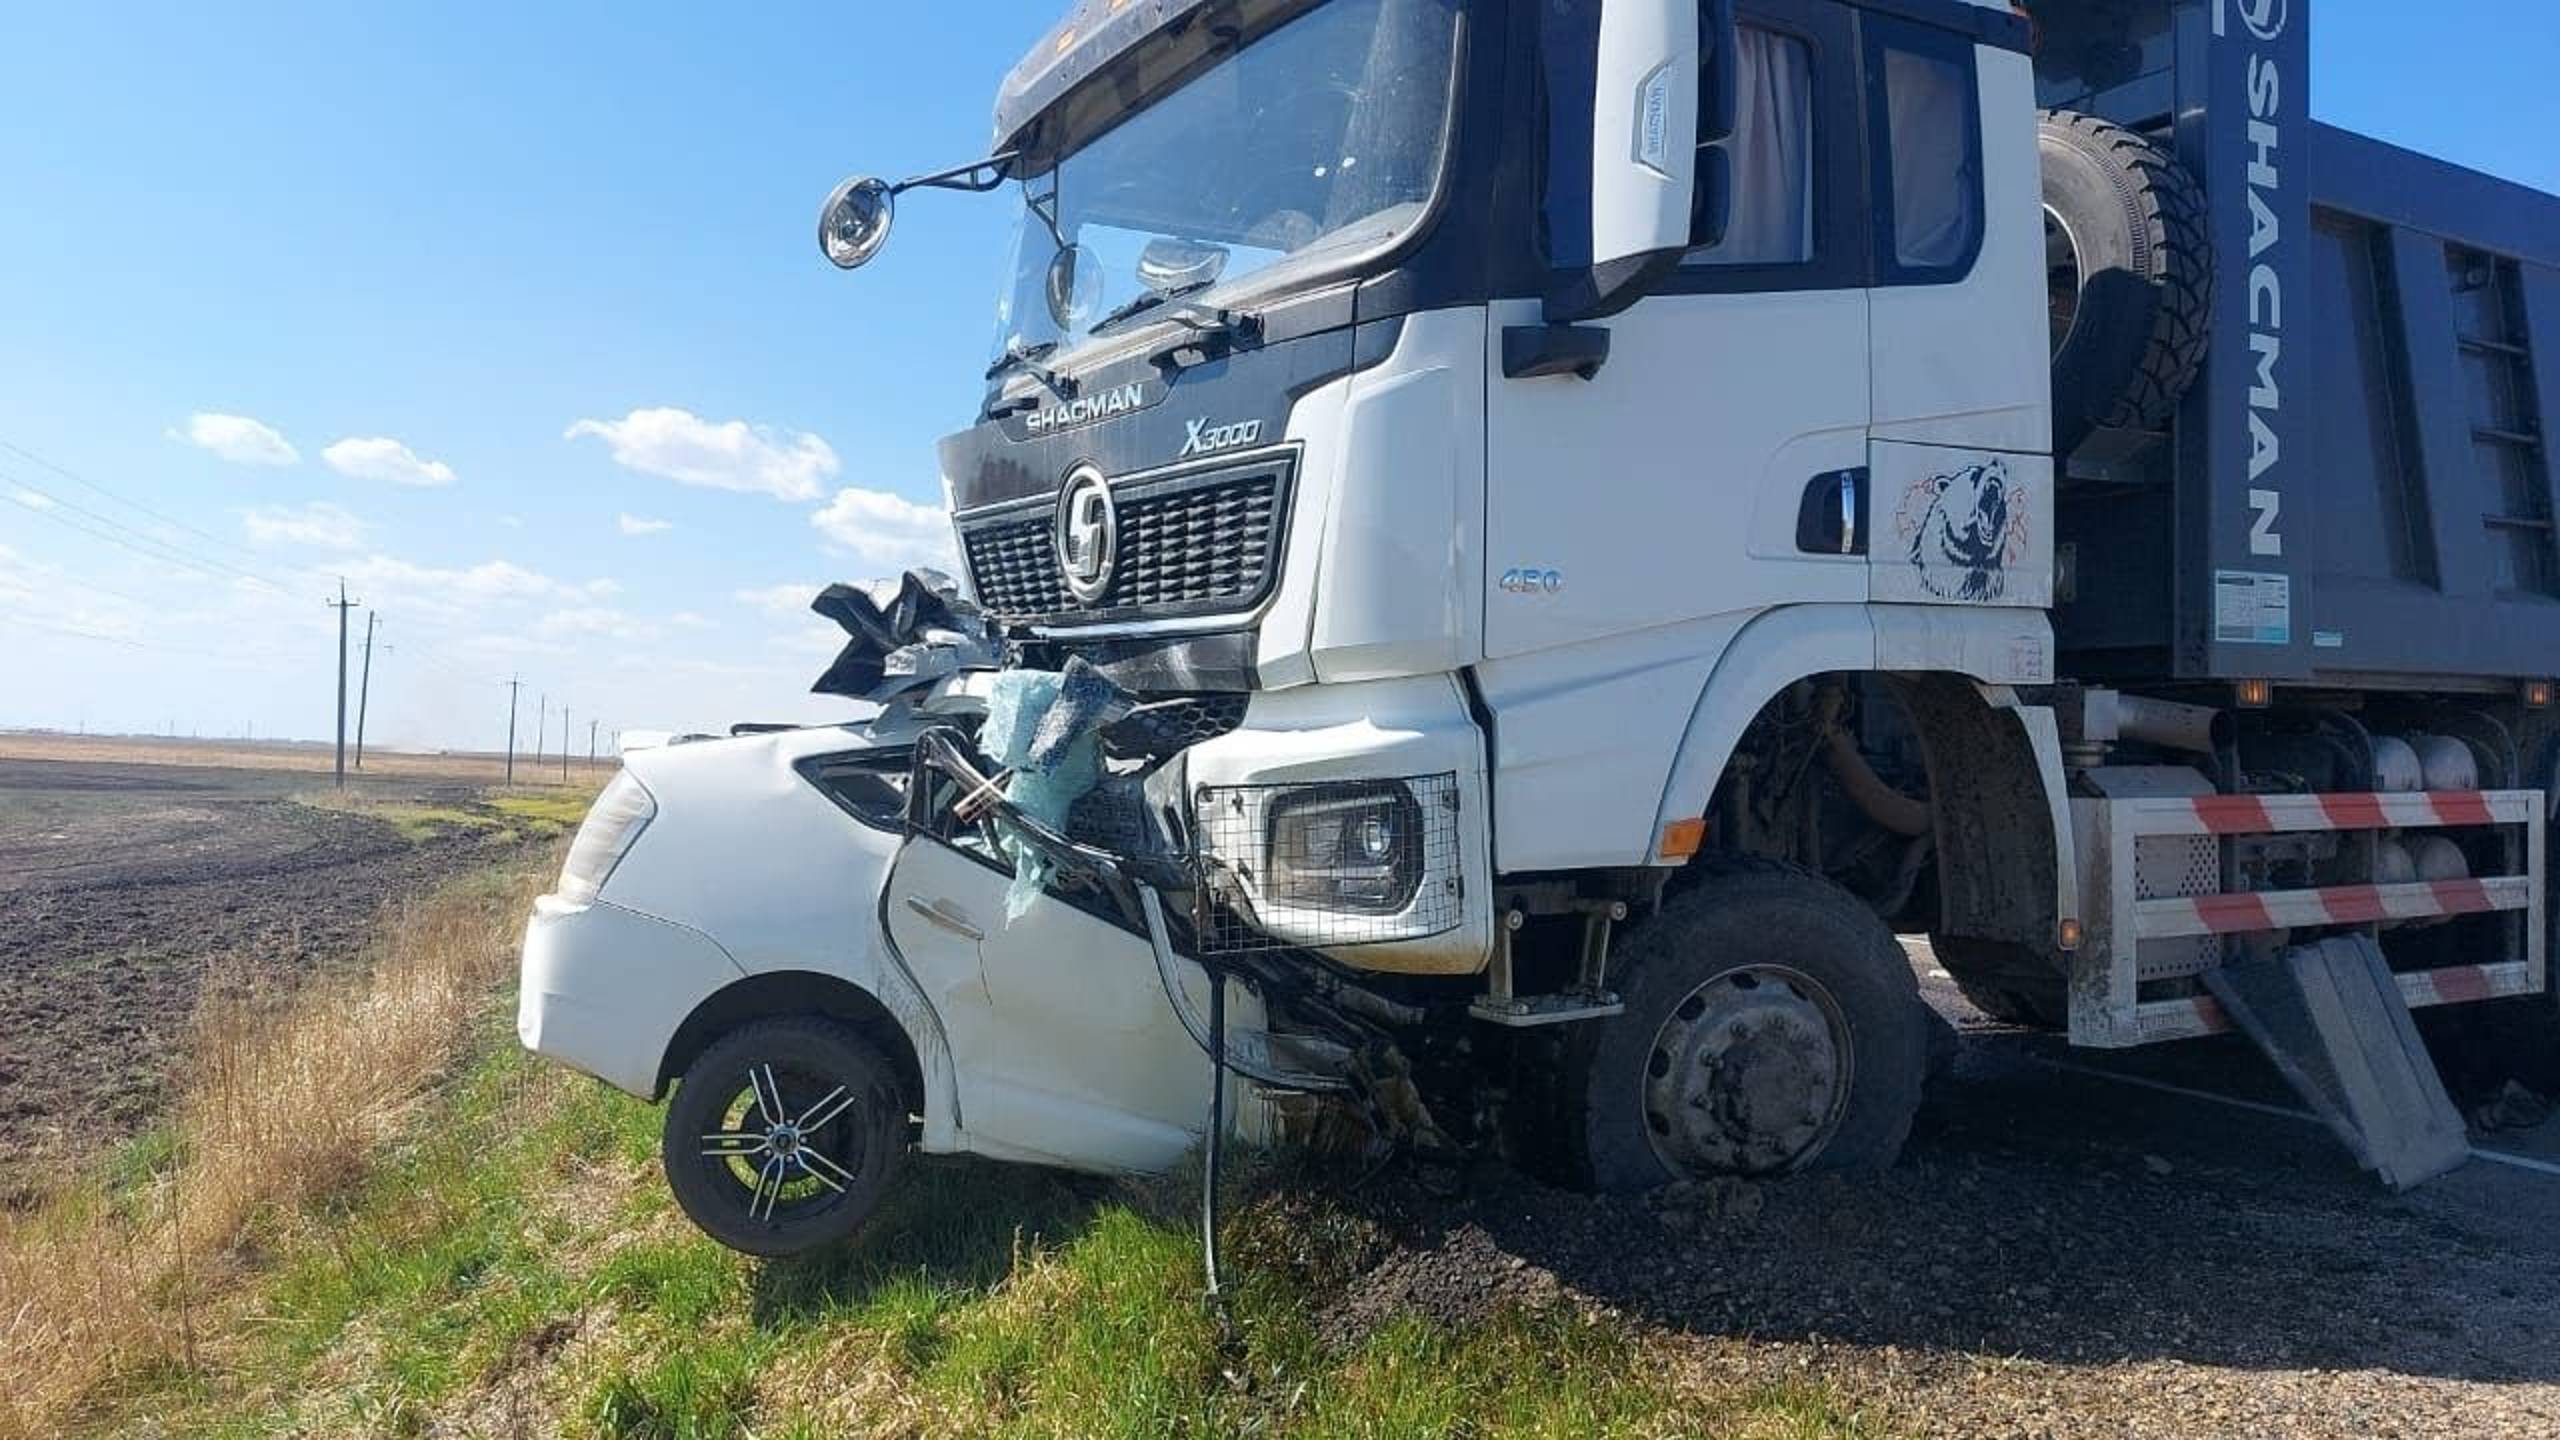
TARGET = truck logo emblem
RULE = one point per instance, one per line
(1088, 535)
(1200, 439)
(1531, 580)
(1965, 530)
(1085, 409)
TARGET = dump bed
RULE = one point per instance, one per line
(2359, 489)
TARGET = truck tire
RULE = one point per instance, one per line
(2005, 981)
(1772, 1025)
(2130, 268)
(783, 1136)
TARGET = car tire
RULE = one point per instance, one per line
(2132, 280)
(1772, 1025)
(783, 1135)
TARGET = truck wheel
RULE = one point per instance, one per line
(2007, 982)
(1772, 1025)
(783, 1136)
(2130, 270)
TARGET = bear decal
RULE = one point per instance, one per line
(1965, 530)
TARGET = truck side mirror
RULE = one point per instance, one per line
(1622, 101)
(1719, 71)
(1719, 95)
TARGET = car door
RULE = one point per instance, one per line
(1065, 1047)
(1671, 485)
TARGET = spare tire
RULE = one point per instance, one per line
(2130, 269)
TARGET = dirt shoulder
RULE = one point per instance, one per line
(126, 890)
(2066, 1251)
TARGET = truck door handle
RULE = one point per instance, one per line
(940, 913)
(1832, 519)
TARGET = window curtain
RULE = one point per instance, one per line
(1772, 155)
(1933, 212)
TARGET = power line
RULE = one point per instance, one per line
(86, 483)
(149, 546)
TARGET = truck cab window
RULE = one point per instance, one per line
(1932, 211)
(1772, 153)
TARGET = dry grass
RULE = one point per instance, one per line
(286, 1106)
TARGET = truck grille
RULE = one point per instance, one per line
(1190, 544)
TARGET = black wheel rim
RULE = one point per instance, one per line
(786, 1144)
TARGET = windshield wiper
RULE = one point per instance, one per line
(1027, 358)
(1205, 319)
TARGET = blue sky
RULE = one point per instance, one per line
(500, 279)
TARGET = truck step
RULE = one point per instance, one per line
(1527, 1012)
(2333, 1019)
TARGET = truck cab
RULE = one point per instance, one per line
(1549, 524)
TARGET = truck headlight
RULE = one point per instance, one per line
(1346, 847)
(613, 823)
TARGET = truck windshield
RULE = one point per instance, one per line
(1311, 148)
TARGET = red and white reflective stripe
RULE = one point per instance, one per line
(2466, 984)
(2191, 1016)
(2297, 814)
(2338, 905)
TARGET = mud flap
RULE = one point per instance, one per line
(2332, 1019)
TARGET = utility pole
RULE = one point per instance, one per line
(364, 688)
(541, 724)
(513, 685)
(564, 744)
(342, 605)
(591, 744)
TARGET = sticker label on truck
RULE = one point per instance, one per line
(2250, 608)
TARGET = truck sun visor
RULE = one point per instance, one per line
(907, 633)
(1045, 728)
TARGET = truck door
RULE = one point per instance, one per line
(1670, 485)
(1961, 476)
(1063, 1043)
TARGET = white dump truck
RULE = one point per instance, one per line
(1511, 549)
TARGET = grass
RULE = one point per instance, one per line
(135, 1273)
(379, 1217)
(498, 815)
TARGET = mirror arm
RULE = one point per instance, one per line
(977, 177)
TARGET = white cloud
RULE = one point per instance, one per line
(635, 525)
(681, 446)
(319, 524)
(444, 590)
(31, 499)
(239, 439)
(595, 623)
(887, 531)
(682, 619)
(782, 600)
(389, 461)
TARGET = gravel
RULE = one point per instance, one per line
(2055, 1257)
